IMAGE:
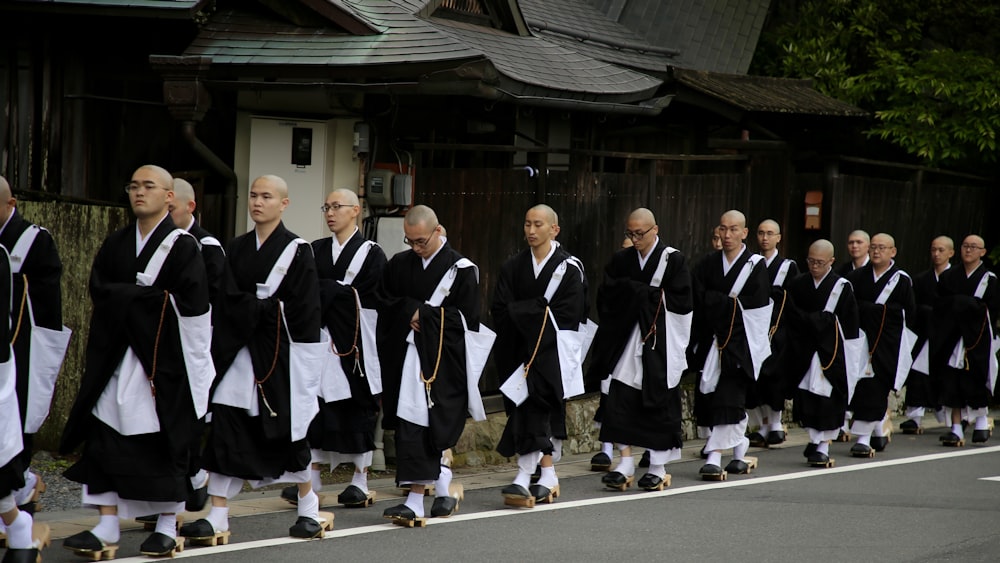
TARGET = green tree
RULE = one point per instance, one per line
(927, 69)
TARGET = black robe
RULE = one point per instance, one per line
(347, 426)
(11, 473)
(152, 466)
(774, 384)
(215, 262)
(884, 327)
(43, 269)
(920, 391)
(261, 447)
(403, 289)
(714, 315)
(958, 314)
(650, 417)
(814, 331)
(518, 311)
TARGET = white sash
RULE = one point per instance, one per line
(196, 343)
(779, 280)
(46, 351)
(306, 363)
(209, 241)
(280, 268)
(413, 405)
(741, 280)
(357, 262)
(149, 275)
(11, 443)
(20, 250)
(984, 282)
(890, 286)
(334, 385)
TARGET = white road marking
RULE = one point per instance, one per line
(817, 472)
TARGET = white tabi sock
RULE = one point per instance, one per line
(775, 424)
(626, 466)
(658, 469)
(200, 479)
(714, 458)
(166, 524)
(107, 529)
(19, 532)
(218, 517)
(443, 482)
(23, 494)
(823, 448)
(415, 502)
(317, 482)
(957, 430)
(740, 451)
(915, 414)
(556, 449)
(608, 449)
(982, 423)
(549, 479)
(309, 506)
(360, 480)
(526, 464)
(864, 439)
(942, 414)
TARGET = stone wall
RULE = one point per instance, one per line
(78, 230)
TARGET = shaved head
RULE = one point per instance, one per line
(550, 213)
(942, 251)
(642, 215)
(4, 188)
(769, 224)
(884, 238)
(163, 178)
(822, 246)
(7, 200)
(734, 217)
(421, 214)
(945, 242)
(346, 196)
(276, 182)
(183, 191)
(860, 234)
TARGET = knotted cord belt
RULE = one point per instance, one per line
(156, 343)
(357, 330)
(732, 323)
(878, 339)
(777, 321)
(20, 312)
(538, 343)
(437, 364)
(274, 364)
(652, 328)
(836, 344)
(979, 339)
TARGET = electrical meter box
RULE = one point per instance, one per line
(378, 187)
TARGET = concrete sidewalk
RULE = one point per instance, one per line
(68, 522)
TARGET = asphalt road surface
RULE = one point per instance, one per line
(917, 501)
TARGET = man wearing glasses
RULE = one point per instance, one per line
(428, 296)
(265, 349)
(343, 431)
(145, 385)
(920, 391)
(645, 308)
(766, 399)
(732, 313)
(884, 294)
(825, 350)
(966, 352)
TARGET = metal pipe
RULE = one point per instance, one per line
(223, 169)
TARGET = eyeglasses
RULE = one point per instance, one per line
(767, 234)
(816, 262)
(336, 207)
(420, 242)
(136, 186)
(972, 247)
(879, 248)
(636, 235)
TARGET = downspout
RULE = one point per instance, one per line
(221, 168)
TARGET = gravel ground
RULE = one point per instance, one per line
(63, 494)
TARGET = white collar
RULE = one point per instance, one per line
(644, 259)
(427, 261)
(816, 284)
(537, 266)
(726, 264)
(140, 241)
(336, 248)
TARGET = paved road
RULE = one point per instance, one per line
(918, 501)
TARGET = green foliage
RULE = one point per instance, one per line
(927, 69)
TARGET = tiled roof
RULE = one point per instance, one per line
(713, 35)
(580, 15)
(527, 65)
(766, 94)
(118, 7)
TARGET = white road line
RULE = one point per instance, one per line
(818, 472)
